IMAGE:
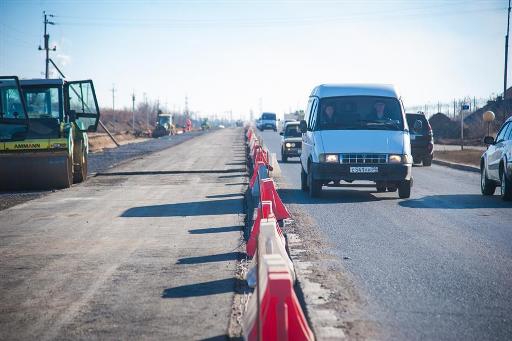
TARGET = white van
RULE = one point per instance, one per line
(355, 132)
(267, 121)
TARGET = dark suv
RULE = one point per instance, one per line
(422, 138)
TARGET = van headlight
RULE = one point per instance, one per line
(289, 144)
(329, 158)
(397, 158)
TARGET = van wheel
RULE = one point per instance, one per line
(284, 158)
(427, 162)
(315, 186)
(404, 189)
(506, 187)
(486, 186)
(303, 179)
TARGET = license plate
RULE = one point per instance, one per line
(364, 169)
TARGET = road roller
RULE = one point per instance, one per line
(43, 132)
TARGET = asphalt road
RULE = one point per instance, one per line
(437, 266)
(144, 250)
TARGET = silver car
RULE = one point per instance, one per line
(496, 163)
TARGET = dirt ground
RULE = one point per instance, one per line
(100, 141)
(468, 157)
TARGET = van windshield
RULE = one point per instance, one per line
(268, 116)
(359, 113)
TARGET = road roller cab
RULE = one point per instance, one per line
(43, 132)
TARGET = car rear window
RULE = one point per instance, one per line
(411, 118)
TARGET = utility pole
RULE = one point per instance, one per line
(133, 112)
(506, 53)
(113, 96)
(147, 110)
(47, 43)
(463, 108)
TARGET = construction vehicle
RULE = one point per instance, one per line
(43, 132)
(205, 125)
(164, 125)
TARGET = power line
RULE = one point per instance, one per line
(402, 14)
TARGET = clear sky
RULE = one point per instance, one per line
(238, 55)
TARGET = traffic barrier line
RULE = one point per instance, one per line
(274, 312)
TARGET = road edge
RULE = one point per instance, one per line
(458, 166)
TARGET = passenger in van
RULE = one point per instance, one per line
(379, 111)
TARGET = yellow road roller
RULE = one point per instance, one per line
(43, 132)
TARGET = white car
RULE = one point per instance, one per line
(291, 140)
(356, 132)
(496, 163)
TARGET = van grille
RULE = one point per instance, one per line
(363, 158)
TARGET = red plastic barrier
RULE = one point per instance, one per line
(268, 193)
(262, 156)
(255, 150)
(264, 212)
(255, 173)
(280, 315)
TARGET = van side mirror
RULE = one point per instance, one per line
(303, 126)
(489, 140)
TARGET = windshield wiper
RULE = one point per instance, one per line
(379, 122)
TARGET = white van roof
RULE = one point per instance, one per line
(334, 90)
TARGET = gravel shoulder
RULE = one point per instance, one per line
(101, 161)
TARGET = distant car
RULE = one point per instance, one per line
(422, 138)
(221, 126)
(291, 141)
(496, 163)
(267, 121)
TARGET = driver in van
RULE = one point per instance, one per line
(328, 115)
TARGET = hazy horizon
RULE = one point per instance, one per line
(234, 55)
